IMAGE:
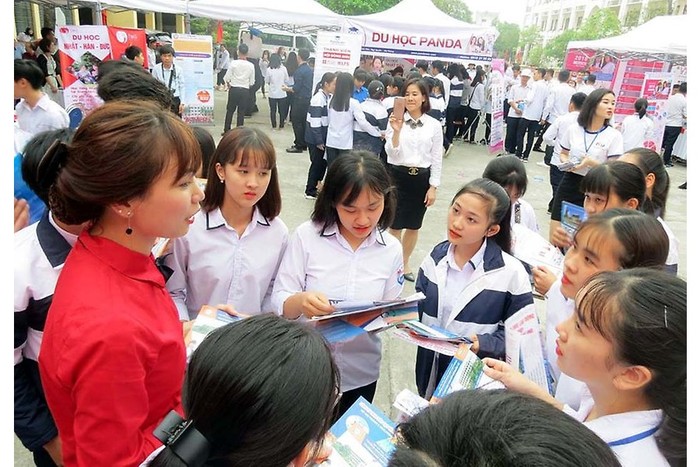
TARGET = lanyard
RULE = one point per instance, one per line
(588, 147)
(633, 438)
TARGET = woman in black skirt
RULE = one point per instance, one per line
(414, 156)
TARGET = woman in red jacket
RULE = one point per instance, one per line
(112, 360)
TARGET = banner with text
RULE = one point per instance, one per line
(195, 57)
(335, 52)
(497, 89)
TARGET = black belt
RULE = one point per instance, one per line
(411, 170)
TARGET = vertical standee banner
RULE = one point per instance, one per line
(195, 57)
(628, 84)
(336, 52)
(656, 90)
(498, 94)
(81, 49)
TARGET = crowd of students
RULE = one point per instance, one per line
(100, 325)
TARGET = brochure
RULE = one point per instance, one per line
(465, 371)
(524, 349)
(208, 319)
(571, 216)
(529, 247)
(441, 347)
(352, 307)
(409, 404)
(363, 436)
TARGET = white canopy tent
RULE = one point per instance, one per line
(663, 38)
(418, 29)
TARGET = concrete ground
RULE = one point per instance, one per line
(465, 163)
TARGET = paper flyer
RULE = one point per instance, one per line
(465, 371)
(350, 307)
(524, 347)
(362, 437)
(533, 249)
(441, 347)
(571, 216)
(409, 404)
(208, 319)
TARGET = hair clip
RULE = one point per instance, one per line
(183, 439)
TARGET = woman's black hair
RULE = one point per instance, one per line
(643, 239)
(624, 179)
(588, 109)
(497, 428)
(33, 154)
(640, 106)
(386, 79)
(478, 78)
(291, 63)
(275, 61)
(207, 145)
(651, 163)
(499, 212)
(344, 86)
(244, 145)
(643, 313)
(327, 77)
(507, 171)
(347, 176)
(425, 106)
(259, 391)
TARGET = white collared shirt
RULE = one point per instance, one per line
(275, 78)
(446, 85)
(630, 435)
(177, 84)
(599, 146)
(214, 265)
(635, 131)
(535, 101)
(418, 147)
(44, 116)
(240, 74)
(558, 101)
(676, 110)
(342, 122)
(457, 280)
(324, 262)
(556, 131)
(517, 93)
(559, 309)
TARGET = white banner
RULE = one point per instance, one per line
(497, 87)
(335, 52)
(194, 55)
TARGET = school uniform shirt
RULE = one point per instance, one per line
(378, 117)
(388, 103)
(323, 261)
(557, 103)
(40, 251)
(151, 58)
(676, 110)
(317, 119)
(517, 93)
(585, 88)
(275, 79)
(454, 95)
(240, 74)
(635, 131)
(437, 108)
(112, 359)
(213, 264)
(601, 145)
(523, 213)
(491, 287)
(473, 97)
(630, 435)
(556, 131)
(418, 147)
(44, 116)
(559, 309)
(176, 85)
(673, 245)
(341, 125)
(535, 101)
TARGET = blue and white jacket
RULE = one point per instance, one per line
(317, 119)
(498, 288)
(378, 117)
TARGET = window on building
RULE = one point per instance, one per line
(23, 17)
(140, 20)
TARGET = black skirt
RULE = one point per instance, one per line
(412, 184)
(569, 189)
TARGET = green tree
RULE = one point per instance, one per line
(507, 41)
(530, 37)
(555, 50)
(601, 23)
(536, 55)
(358, 7)
(455, 8)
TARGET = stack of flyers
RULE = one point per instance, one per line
(529, 247)
(364, 436)
(524, 349)
(571, 217)
(208, 319)
(465, 371)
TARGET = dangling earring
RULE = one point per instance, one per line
(129, 230)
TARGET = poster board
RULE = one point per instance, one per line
(335, 52)
(194, 55)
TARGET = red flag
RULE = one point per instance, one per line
(220, 32)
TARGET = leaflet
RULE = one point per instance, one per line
(572, 216)
(465, 371)
(351, 307)
(208, 319)
(363, 436)
(524, 349)
(409, 404)
(531, 248)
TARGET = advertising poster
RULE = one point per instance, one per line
(498, 94)
(629, 83)
(335, 52)
(657, 89)
(121, 38)
(195, 57)
(578, 59)
(81, 49)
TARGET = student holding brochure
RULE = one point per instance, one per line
(627, 340)
(112, 359)
(232, 252)
(471, 282)
(344, 253)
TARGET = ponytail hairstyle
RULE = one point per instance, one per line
(643, 239)
(327, 77)
(499, 211)
(507, 171)
(621, 178)
(32, 155)
(643, 313)
(652, 164)
(117, 153)
(640, 106)
(259, 391)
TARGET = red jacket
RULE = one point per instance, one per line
(112, 360)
